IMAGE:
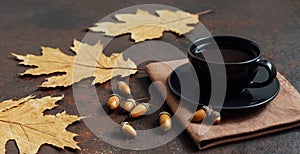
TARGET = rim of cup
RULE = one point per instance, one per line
(248, 42)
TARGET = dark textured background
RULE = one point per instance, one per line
(25, 25)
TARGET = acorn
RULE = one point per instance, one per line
(165, 121)
(123, 88)
(113, 101)
(139, 110)
(129, 104)
(128, 129)
(199, 115)
(218, 120)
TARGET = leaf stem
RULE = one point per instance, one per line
(103, 67)
(140, 99)
(205, 12)
(125, 68)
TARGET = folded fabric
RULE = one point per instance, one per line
(280, 114)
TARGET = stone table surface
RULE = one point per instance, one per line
(27, 25)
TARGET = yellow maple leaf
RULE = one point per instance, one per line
(90, 61)
(24, 122)
(144, 25)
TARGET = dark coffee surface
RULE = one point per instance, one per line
(229, 55)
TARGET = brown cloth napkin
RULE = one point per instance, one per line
(280, 114)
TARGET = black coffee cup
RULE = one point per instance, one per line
(241, 58)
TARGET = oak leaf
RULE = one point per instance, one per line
(89, 61)
(24, 122)
(144, 25)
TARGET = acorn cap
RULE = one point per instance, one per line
(164, 112)
(124, 123)
(116, 95)
(131, 100)
(147, 105)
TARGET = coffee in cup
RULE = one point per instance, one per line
(240, 57)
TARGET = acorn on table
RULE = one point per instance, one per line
(128, 130)
(129, 104)
(165, 121)
(113, 101)
(123, 88)
(139, 110)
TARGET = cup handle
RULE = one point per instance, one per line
(271, 72)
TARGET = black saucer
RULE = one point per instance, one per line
(251, 97)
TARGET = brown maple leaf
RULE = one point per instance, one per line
(24, 122)
(144, 25)
(89, 61)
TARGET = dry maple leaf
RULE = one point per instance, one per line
(24, 122)
(90, 61)
(144, 25)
